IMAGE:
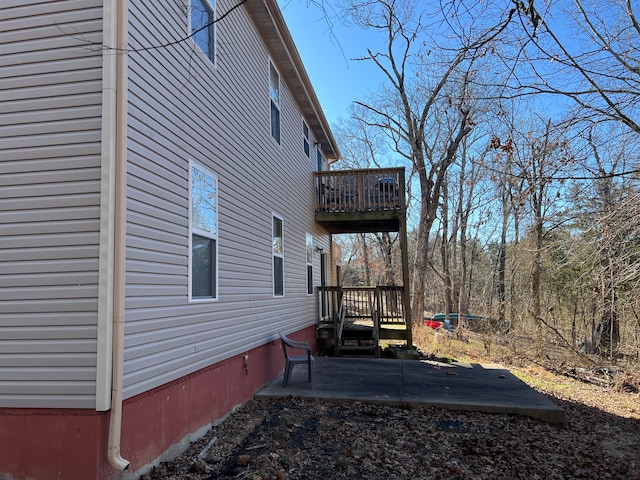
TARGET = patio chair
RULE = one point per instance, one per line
(293, 360)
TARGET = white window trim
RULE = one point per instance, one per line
(306, 138)
(215, 34)
(199, 166)
(309, 244)
(279, 255)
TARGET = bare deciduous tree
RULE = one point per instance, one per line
(585, 51)
(426, 106)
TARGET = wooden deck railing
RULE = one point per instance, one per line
(363, 315)
(360, 190)
(390, 306)
(360, 303)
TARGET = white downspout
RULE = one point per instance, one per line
(115, 421)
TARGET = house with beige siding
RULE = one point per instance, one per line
(157, 224)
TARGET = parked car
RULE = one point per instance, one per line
(429, 322)
(439, 320)
(472, 322)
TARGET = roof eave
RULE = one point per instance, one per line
(270, 23)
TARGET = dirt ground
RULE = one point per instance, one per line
(294, 439)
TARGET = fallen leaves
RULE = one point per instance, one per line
(293, 439)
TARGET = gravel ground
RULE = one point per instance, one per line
(294, 439)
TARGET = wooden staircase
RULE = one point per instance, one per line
(356, 318)
(357, 340)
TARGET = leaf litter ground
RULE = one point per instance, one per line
(295, 439)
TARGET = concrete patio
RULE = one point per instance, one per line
(455, 386)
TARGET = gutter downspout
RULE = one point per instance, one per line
(115, 419)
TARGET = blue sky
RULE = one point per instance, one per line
(327, 52)
(327, 48)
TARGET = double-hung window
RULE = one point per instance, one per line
(203, 234)
(309, 264)
(278, 257)
(203, 27)
(321, 164)
(274, 89)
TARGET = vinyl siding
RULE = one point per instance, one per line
(50, 92)
(184, 108)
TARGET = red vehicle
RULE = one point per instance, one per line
(432, 323)
(439, 320)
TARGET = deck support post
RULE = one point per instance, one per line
(406, 280)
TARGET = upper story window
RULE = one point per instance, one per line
(274, 89)
(203, 227)
(321, 163)
(202, 26)
(305, 132)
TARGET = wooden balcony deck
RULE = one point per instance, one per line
(365, 200)
(361, 201)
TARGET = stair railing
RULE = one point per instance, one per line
(341, 314)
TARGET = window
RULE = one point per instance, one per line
(278, 258)
(305, 132)
(274, 88)
(202, 26)
(309, 264)
(203, 227)
(321, 166)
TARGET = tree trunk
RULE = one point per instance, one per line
(365, 258)
(444, 251)
(609, 339)
(421, 265)
(535, 271)
(386, 249)
(464, 211)
(502, 259)
(513, 266)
